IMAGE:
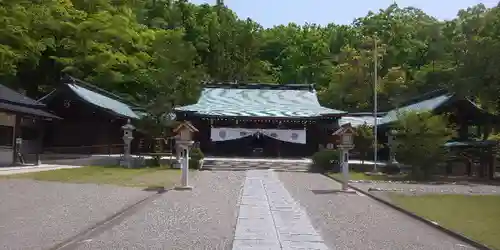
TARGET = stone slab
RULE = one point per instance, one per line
(256, 245)
(269, 218)
(247, 212)
(255, 229)
(296, 245)
(300, 237)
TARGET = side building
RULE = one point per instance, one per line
(22, 121)
(260, 120)
(92, 120)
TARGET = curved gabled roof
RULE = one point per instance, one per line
(260, 100)
(98, 97)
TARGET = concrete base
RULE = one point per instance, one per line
(182, 188)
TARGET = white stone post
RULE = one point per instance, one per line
(392, 151)
(185, 147)
(345, 169)
(185, 169)
(178, 157)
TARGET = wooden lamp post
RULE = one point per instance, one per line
(184, 140)
(346, 133)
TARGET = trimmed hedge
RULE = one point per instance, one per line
(325, 160)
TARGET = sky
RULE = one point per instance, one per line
(275, 12)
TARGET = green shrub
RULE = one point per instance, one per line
(194, 158)
(391, 169)
(420, 142)
(151, 162)
(325, 160)
(364, 141)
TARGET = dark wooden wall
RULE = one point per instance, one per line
(85, 128)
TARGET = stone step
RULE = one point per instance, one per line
(224, 165)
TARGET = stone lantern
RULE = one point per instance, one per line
(183, 141)
(128, 136)
(346, 133)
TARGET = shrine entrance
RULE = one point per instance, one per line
(256, 142)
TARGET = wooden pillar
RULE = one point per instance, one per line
(491, 164)
(108, 136)
(41, 135)
(16, 132)
(463, 130)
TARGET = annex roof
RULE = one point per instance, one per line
(259, 100)
(426, 105)
(431, 101)
(357, 121)
(99, 98)
(12, 101)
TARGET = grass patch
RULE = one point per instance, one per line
(477, 217)
(357, 176)
(141, 177)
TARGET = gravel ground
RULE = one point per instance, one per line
(350, 221)
(204, 218)
(39, 215)
(416, 189)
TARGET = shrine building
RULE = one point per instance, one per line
(260, 120)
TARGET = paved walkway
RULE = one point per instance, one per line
(269, 218)
(30, 169)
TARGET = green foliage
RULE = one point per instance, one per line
(420, 141)
(363, 140)
(194, 158)
(391, 168)
(325, 160)
(157, 52)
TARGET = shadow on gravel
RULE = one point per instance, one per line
(159, 190)
(331, 191)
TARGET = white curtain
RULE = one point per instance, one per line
(287, 135)
(226, 134)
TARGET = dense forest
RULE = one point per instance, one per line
(159, 52)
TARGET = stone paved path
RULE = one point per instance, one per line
(30, 169)
(269, 218)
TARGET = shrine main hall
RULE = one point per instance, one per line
(261, 120)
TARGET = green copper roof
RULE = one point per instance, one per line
(425, 105)
(104, 102)
(276, 101)
(357, 121)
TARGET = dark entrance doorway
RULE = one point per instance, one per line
(257, 145)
